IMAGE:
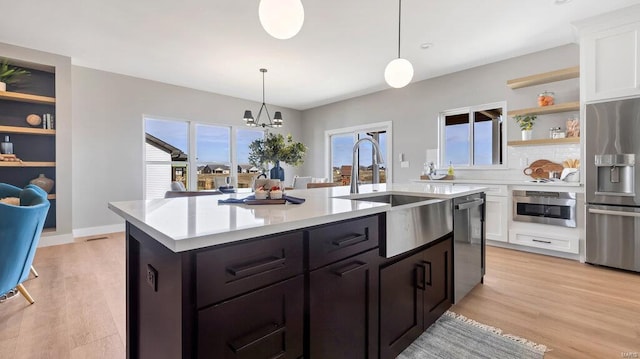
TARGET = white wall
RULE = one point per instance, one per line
(108, 141)
(414, 109)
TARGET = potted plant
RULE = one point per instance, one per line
(526, 124)
(274, 148)
(9, 74)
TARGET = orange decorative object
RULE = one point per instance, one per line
(546, 99)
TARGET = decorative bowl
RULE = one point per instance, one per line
(437, 177)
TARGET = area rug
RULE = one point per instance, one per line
(455, 336)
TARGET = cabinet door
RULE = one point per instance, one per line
(437, 266)
(401, 304)
(343, 308)
(264, 324)
(611, 59)
(496, 218)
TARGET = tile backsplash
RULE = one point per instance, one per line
(521, 156)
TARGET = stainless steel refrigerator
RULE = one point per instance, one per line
(612, 178)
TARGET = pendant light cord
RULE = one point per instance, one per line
(263, 87)
(399, 23)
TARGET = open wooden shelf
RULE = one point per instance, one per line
(538, 79)
(26, 130)
(545, 141)
(23, 97)
(562, 107)
(26, 164)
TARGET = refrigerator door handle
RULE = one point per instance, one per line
(614, 213)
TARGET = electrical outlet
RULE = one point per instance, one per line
(152, 277)
(404, 164)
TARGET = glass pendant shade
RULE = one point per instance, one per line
(281, 19)
(398, 73)
(248, 118)
(277, 119)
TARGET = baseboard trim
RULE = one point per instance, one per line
(575, 257)
(55, 239)
(92, 231)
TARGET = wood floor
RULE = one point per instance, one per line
(577, 310)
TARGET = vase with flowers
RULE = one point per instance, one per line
(275, 149)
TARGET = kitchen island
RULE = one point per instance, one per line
(213, 280)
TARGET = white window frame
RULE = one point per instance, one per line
(379, 126)
(192, 161)
(471, 110)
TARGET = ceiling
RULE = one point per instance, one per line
(341, 51)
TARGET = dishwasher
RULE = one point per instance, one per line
(468, 243)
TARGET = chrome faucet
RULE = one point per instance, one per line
(377, 158)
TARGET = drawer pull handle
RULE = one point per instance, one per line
(420, 268)
(262, 265)
(541, 241)
(256, 337)
(350, 268)
(427, 277)
(357, 238)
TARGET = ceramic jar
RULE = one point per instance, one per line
(43, 182)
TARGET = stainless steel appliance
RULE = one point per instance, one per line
(612, 145)
(468, 243)
(555, 208)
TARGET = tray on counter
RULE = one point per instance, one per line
(265, 201)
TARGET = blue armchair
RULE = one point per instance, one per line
(20, 230)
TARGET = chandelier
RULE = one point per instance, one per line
(277, 116)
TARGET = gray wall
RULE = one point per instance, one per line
(414, 109)
(107, 134)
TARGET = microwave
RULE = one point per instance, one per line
(553, 208)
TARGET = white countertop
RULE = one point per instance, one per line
(187, 223)
(505, 182)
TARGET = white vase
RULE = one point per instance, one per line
(3, 86)
(526, 135)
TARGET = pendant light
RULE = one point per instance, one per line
(281, 19)
(277, 116)
(398, 72)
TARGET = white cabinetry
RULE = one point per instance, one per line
(609, 55)
(497, 218)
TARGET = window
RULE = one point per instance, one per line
(473, 136)
(339, 144)
(166, 155)
(247, 173)
(221, 156)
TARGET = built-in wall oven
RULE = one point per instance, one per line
(554, 208)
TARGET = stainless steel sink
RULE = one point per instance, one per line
(421, 221)
(393, 199)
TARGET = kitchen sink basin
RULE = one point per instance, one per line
(393, 199)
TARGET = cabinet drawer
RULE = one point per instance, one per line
(569, 245)
(331, 243)
(265, 324)
(226, 272)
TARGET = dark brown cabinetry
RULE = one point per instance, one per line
(343, 308)
(414, 291)
(266, 323)
(259, 298)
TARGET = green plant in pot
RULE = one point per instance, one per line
(10, 74)
(274, 149)
(526, 124)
